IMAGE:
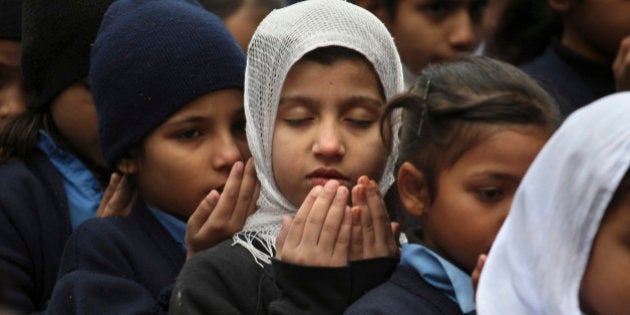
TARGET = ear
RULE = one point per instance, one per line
(377, 7)
(412, 189)
(560, 5)
(128, 165)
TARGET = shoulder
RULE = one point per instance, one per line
(404, 293)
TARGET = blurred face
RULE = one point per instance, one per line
(74, 114)
(192, 153)
(435, 30)
(12, 92)
(605, 286)
(244, 22)
(595, 28)
(327, 127)
(475, 194)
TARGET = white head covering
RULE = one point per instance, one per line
(280, 40)
(537, 262)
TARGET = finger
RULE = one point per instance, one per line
(282, 236)
(332, 223)
(342, 244)
(114, 180)
(294, 236)
(394, 246)
(476, 274)
(122, 199)
(367, 227)
(227, 202)
(245, 194)
(318, 213)
(383, 237)
(199, 217)
(356, 238)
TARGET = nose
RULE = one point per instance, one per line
(225, 152)
(464, 34)
(12, 101)
(329, 141)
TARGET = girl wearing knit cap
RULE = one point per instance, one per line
(564, 248)
(52, 171)
(167, 79)
(318, 75)
(13, 91)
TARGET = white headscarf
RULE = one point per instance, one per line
(280, 40)
(538, 259)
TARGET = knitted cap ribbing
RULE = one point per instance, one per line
(150, 59)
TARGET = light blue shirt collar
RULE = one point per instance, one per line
(173, 225)
(441, 274)
(83, 190)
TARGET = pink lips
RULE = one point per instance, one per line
(322, 175)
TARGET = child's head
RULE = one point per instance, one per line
(167, 79)
(318, 74)
(594, 28)
(12, 89)
(242, 17)
(429, 31)
(605, 287)
(564, 247)
(471, 129)
(56, 42)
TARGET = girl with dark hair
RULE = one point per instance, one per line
(471, 129)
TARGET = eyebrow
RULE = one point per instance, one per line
(346, 102)
(496, 175)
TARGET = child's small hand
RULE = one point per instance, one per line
(219, 216)
(118, 198)
(319, 235)
(476, 273)
(373, 235)
(621, 66)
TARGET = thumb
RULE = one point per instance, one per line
(282, 236)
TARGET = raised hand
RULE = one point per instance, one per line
(118, 198)
(319, 234)
(621, 66)
(372, 233)
(220, 215)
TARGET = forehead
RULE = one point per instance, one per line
(344, 76)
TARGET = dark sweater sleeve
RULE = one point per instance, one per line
(317, 290)
(310, 290)
(95, 276)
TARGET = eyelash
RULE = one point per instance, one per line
(483, 194)
(188, 134)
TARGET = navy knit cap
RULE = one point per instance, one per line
(10, 24)
(56, 39)
(150, 59)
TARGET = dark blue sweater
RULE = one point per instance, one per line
(405, 293)
(34, 226)
(119, 265)
(572, 80)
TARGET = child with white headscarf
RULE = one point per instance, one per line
(564, 248)
(353, 67)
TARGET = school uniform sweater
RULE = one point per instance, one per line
(34, 226)
(226, 280)
(405, 293)
(571, 79)
(118, 265)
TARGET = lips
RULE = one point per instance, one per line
(322, 175)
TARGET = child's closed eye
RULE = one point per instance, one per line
(188, 134)
(298, 121)
(490, 194)
(361, 123)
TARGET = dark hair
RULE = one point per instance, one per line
(225, 8)
(621, 195)
(19, 137)
(466, 100)
(525, 29)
